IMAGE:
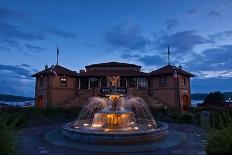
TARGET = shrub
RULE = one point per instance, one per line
(8, 133)
(219, 142)
(220, 135)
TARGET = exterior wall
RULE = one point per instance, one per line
(167, 93)
(171, 94)
(42, 90)
(185, 90)
(62, 94)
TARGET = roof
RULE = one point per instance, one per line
(169, 69)
(60, 70)
(114, 64)
(95, 73)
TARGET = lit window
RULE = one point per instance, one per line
(63, 82)
(142, 83)
(163, 81)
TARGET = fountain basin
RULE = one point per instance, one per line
(114, 137)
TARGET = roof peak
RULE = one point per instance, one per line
(112, 63)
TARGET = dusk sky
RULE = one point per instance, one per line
(199, 33)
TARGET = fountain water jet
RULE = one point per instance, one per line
(115, 119)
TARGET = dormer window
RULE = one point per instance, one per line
(63, 82)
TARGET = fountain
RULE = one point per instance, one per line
(115, 119)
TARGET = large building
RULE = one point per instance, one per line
(168, 86)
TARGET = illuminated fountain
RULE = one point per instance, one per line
(115, 119)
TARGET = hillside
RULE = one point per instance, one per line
(12, 98)
(202, 96)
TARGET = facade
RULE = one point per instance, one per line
(168, 86)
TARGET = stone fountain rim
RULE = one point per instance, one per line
(67, 127)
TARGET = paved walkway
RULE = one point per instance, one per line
(33, 143)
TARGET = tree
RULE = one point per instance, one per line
(214, 99)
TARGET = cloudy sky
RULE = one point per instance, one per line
(199, 33)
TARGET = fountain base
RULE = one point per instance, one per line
(114, 137)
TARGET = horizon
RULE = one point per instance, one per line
(133, 31)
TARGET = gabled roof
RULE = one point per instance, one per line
(169, 69)
(128, 73)
(60, 70)
(114, 64)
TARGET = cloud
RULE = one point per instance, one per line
(33, 47)
(210, 84)
(59, 32)
(130, 56)
(25, 65)
(151, 60)
(5, 49)
(13, 32)
(223, 35)
(214, 74)
(181, 42)
(213, 62)
(16, 80)
(7, 14)
(214, 13)
(16, 70)
(192, 12)
(171, 23)
(126, 35)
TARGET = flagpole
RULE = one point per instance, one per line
(168, 56)
(57, 55)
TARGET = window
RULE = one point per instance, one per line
(184, 82)
(103, 82)
(84, 83)
(93, 82)
(132, 82)
(163, 81)
(123, 82)
(41, 81)
(63, 82)
(142, 83)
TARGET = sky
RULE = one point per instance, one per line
(198, 32)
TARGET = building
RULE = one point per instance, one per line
(168, 86)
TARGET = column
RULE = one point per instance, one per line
(88, 83)
(126, 83)
(137, 83)
(79, 83)
(99, 83)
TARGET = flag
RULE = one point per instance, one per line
(168, 51)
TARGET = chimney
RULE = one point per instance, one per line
(82, 71)
(46, 67)
(180, 67)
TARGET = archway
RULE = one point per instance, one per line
(40, 102)
(185, 100)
